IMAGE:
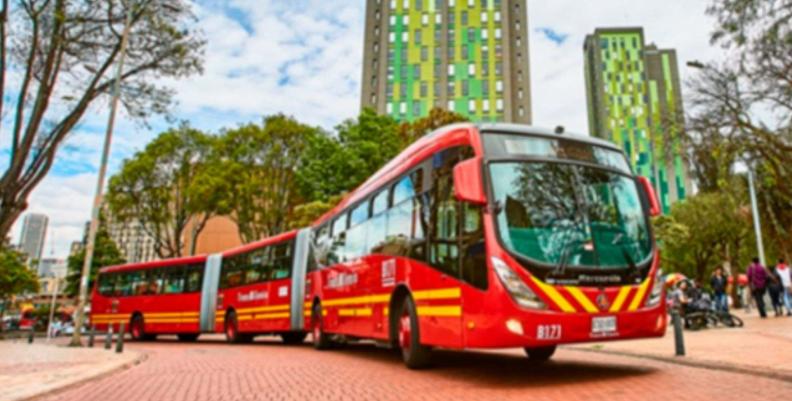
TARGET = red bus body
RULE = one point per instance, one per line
(358, 296)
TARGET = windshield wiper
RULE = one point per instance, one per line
(630, 262)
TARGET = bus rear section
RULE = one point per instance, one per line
(150, 299)
(489, 236)
(261, 287)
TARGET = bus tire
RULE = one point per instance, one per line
(137, 329)
(540, 354)
(232, 330)
(414, 354)
(321, 340)
(188, 337)
(293, 338)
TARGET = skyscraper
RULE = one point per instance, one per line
(634, 100)
(468, 56)
(34, 230)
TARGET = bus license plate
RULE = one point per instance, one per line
(603, 324)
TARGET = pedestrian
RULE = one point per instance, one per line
(757, 281)
(786, 282)
(774, 287)
(718, 283)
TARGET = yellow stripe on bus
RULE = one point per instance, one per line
(439, 311)
(269, 308)
(363, 299)
(195, 320)
(355, 312)
(170, 314)
(582, 299)
(554, 295)
(620, 298)
(272, 315)
(636, 301)
(444, 293)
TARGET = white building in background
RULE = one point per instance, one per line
(34, 232)
(132, 241)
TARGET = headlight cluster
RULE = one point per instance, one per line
(520, 292)
(657, 289)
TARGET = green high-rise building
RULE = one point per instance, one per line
(468, 56)
(634, 99)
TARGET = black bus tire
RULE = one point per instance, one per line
(540, 354)
(321, 340)
(414, 354)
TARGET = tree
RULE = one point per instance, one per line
(15, 277)
(164, 188)
(339, 164)
(305, 214)
(699, 233)
(257, 167)
(106, 253)
(62, 55)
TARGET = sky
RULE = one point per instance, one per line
(304, 58)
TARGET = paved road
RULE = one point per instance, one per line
(267, 370)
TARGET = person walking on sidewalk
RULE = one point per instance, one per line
(786, 282)
(757, 281)
(718, 284)
(774, 287)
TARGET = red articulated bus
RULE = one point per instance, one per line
(492, 235)
(243, 292)
(475, 236)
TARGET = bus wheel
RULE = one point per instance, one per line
(293, 338)
(321, 340)
(188, 337)
(540, 354)
(232, 330)
(138, 330)
(414, 354)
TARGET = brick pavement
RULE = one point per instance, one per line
(763, 346)
(28, 370)
(268, 370)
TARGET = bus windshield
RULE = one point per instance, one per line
(565, 214)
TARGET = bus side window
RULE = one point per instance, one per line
(259, 266)
(123, 285)
(154, 281)
(106, 283)
(338, 246)
(375, 239)
(194, 278)
(473, 252)
(174, 280)
(282, 262)
(138, 279)
(357, 232)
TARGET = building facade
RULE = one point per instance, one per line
(34, 231)
(634, 100)
(468, 56)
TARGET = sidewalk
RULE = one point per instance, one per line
(762, 347)
(29, 370)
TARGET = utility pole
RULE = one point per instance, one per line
(91, 242)
(755, 211)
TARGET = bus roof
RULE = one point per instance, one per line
(154, 264)
(261, 243)
(441, 138)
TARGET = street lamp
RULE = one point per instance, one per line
(91, 241)
(751, 188)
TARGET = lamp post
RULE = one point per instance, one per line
(90, 243)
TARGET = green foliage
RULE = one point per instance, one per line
(15, 277)
(254, 170)
(106, 253)
(437, 118)
(701, 232)
(307, 213)
(167, 186)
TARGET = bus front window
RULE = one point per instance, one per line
(568, 215)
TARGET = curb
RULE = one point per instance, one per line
(721, 366)
(128, 365)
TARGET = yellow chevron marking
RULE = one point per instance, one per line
(636, 301)
(355, 312)
(439, 311)
(620, 298)
(444, 293)
(269, 308)
(554, 295)
(582, 299)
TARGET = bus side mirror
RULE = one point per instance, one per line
(468, 185)
(654, 205)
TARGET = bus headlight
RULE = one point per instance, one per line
(657, 289)
(520, 292)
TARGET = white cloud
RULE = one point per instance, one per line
(317, 46)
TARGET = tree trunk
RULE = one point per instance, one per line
(8, 216)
